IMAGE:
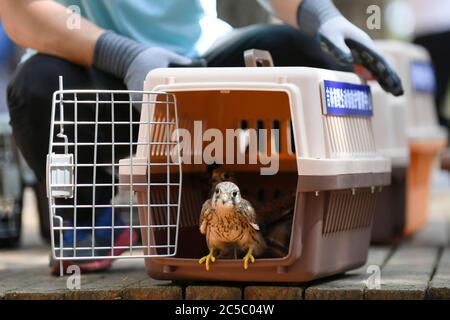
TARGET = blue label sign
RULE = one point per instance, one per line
(347, 99)
(422, 77)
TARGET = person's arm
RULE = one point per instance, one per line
(285, 10)
(346, 42)
(42, 25)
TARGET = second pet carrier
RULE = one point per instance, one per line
(313, 126)
(413, 115)
(445, 160)
(11, 187)
(389, 126)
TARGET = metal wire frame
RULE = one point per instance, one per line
(68, 171)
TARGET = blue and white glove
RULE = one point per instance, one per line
(132, 61)
(346, 42)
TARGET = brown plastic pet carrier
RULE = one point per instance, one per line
(327, 180)
(389, 125)
(445, 160)
(407, 123)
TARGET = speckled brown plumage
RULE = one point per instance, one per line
(229, 221)
(274, 218)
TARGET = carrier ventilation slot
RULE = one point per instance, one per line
(423, 117)
(191, 204)
(164, 138)
(162, 132)
(276, 126)
(261, 136)
(348, 212)
(349, 135)
(275, 130)
(291, 138)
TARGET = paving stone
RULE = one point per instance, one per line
(351, 285)
(15, 280)
(213, 293)
(150, 289)
(439, 287)
(273, 293)
(405, 275)
(108, 287)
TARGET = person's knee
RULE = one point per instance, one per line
(33, 83)
(271, 36)
(29, 95)
(292, 47)
(229, 51)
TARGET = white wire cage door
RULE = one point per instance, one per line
(93, 141)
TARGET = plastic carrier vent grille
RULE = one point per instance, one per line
(349, 135)
(347, 211)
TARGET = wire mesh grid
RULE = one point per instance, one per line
(94, 137)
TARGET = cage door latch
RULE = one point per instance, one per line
(60, 177)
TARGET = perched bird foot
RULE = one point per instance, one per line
(248, 256)
(207, 259)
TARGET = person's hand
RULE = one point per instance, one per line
(148, 60)
(132, 61)
(347, 43)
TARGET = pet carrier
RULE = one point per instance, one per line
(319, 129)
(389, 126)
(11, 187)
(445, 160)
(405, 207)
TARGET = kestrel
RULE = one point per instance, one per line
(227, 220)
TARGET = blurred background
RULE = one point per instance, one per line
(399, 19)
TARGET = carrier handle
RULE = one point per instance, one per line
(257, 58)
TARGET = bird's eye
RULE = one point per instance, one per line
(217, 191)
(235, 194)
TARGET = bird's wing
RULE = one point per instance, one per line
(246, 209)
(206, 209)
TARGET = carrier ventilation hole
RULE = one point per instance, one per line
(276, 126)
(261, 136)
(276, 193)
(348, 212)
(261, 196)
(292, 141)
(356, 139)
(244, 127)
(244, 124)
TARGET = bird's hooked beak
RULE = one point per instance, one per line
(223, 200)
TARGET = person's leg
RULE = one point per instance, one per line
(30, 95)
(30, 101)
(288, 47)
(437, 46)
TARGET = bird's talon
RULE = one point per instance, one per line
(248, 256)
(207, 259)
